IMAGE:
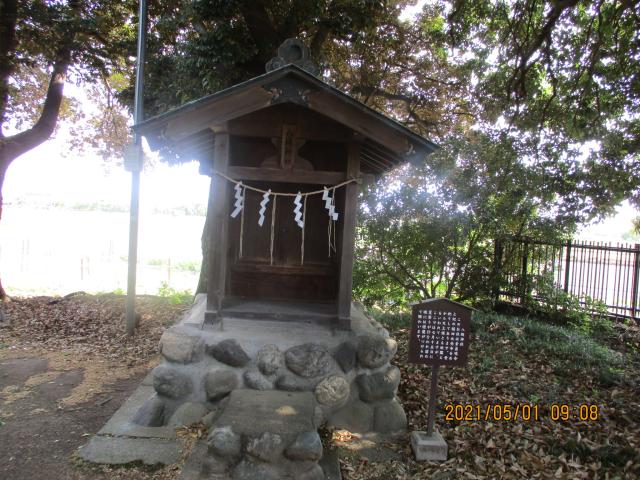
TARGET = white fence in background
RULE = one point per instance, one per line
(61, 251)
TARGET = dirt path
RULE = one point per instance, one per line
(40, 432)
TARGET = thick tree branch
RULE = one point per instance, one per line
(517, 81)
(22, 142)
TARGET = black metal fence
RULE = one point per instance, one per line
(593, 272)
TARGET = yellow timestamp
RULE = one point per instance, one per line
(525, 412)
(565, 413)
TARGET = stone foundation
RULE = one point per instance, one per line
(264, 388)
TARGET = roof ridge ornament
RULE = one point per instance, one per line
(293, 51)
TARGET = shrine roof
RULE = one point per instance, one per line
(187, 132)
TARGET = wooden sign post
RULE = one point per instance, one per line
(439, 336)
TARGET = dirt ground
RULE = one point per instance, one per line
(40, 431)
(66, 365)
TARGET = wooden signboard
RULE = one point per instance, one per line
(439, 336)
(439, 332)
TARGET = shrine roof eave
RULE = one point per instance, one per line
(288, 84)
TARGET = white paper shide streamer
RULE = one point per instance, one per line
(239, 205)
(298, 203)
(263, 206)
(329, 205)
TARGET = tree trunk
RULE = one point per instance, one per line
(202, 281)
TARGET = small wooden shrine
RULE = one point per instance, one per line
(286, 153)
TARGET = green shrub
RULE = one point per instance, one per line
(175, 297)
(546, 300)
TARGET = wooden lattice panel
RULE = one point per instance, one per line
(439, 333)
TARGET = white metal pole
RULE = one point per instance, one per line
(138, 114)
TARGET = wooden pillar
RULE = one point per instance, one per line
(348, 238)
(218, 228)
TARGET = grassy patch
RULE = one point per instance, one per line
(569, 351)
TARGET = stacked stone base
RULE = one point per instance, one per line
(264, 388)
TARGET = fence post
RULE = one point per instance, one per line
(523, 277)
(635, 282)
(567, 267)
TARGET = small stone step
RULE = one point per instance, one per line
(266, 435)
(253, 412)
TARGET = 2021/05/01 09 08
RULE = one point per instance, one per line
(526, 412)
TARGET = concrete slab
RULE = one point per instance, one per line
(254, 334)
(284, 333)
(119, 450)
(429, 448)
(253, 412)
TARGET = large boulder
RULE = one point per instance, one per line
(219, 383)
(188, 413)
(306, 447)
(257, 381)
(171, 383)
(293, 383)
(356, 416)
(389, 418)
(230, 352)
(180, 348)
(250, 470)
(345, 355)
(332, 391)
(267, 447)
(380, 385)
(316, 473)
(269, 359)
(309, 360)
(151, 413)
(225, 443)
(374, 350)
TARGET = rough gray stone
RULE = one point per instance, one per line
(379, 386)
(188, 413)
(151, 413)
(345, 355)
(374, 350)
(267, 447)
(248, 470)
(171, 383)
(306, 446)
(257, 381)
(316, 473)
(356, 417)
(289, 383)
(218, 383)
(309, 360)
(180, 348)
(230, 352)
(389, 418)
(270, 359)
(332, 391)
(224, 442)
